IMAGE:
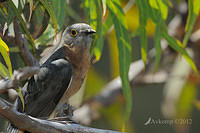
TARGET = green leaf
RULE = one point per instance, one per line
(3, 8)
(107, 24)
(104, 7)
(142, 5)
(176, 45)
(11, 15)
(4, 71)
(4, 50)
(22, 23)
(154, 4)
(94, 15)
(21, 98)
(59, 9)
(194, 8)
(3, 16)
(51, 12)
(186, 100)
(46, 36)
(158, 11)
(98, 42)
(157, 39)
(124, 48)
(31, 6)
(39, 19)
(144, 45)
(196, 5)
(160, 5)
(21, 4)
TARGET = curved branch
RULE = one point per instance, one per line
(35, 125)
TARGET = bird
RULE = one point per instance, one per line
(60, 76)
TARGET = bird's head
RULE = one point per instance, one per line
(78, 36)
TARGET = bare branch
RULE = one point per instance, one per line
(21, 42)
(28, 123)
(18, 76)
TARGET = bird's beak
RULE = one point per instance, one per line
(89, 31)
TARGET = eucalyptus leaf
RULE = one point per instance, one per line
(124, 48)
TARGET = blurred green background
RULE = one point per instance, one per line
(156, 32)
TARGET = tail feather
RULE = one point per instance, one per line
(12, 129)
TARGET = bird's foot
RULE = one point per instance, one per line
(66, 111)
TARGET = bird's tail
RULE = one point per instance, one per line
(12, 129)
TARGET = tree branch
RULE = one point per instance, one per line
(18, 76)
(21, 42)
(35, 125)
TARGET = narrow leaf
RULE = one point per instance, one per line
(196, 4)
(104, 7)
(46, 36)
(160, 5)
(4, 50)
(176, 45)
(157, 39)
(98, 42)
(4, 71)
(31, 9)
(107, 24)
(194, 8)
(94, 15)
(143, 20)
(22, 23)
(50, 10)
(119, 21)
(3, 8)
(59, 7)
(186, 100)
(21, 98)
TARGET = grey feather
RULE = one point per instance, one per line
(43, 91)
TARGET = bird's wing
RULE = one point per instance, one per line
(44, 90)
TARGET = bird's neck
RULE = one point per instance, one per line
(79, 57)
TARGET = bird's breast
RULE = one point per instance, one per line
(79, 74)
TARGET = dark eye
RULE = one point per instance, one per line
(73, 32)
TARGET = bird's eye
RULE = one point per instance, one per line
(74, 32)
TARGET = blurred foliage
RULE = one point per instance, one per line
(116, 23)
(194, 7)
(186, 100)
